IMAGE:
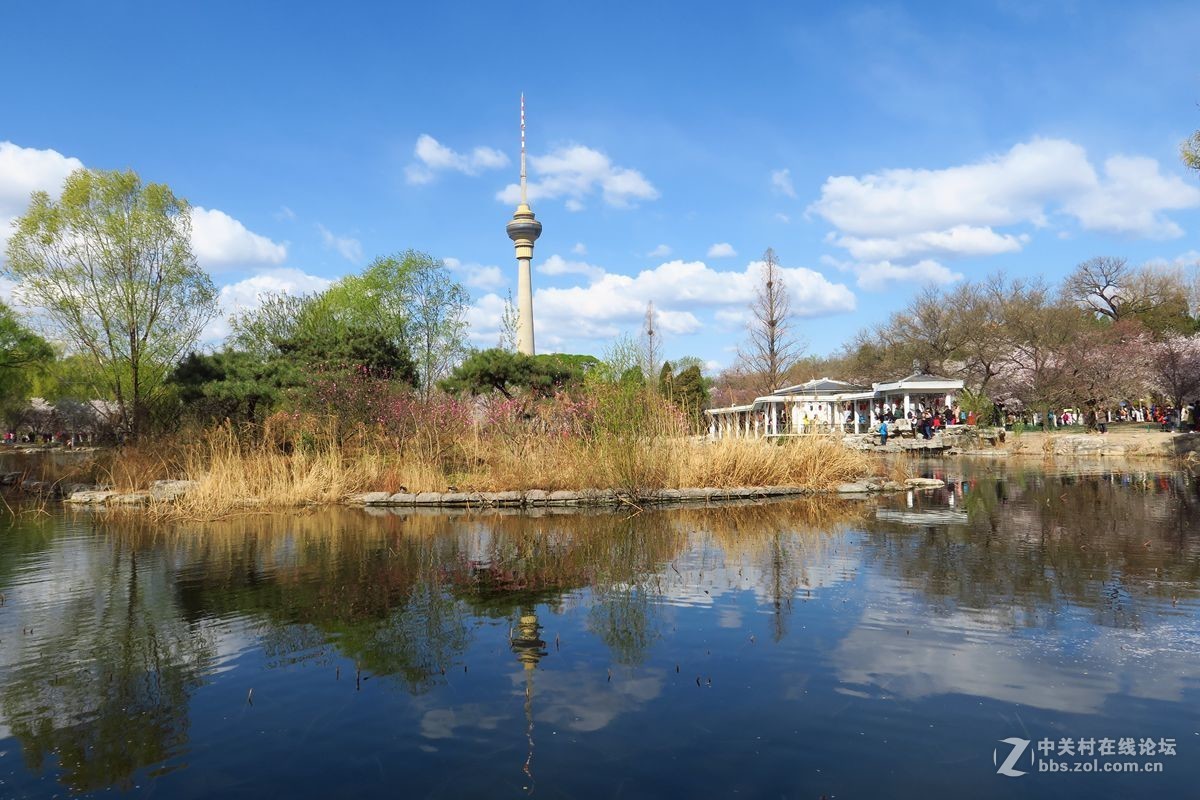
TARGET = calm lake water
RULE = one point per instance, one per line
(791, 649)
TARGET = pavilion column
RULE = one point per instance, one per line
(907, 405)
(854, 413)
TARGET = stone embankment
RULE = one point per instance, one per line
(160, 491)
(608, 497)
(1118, 443)
(955, 440)
(168, 491)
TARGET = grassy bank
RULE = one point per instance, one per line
(280, 467)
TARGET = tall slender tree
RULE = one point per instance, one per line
(509, 318)
(651, 346)
(110, 268)
(771, 347)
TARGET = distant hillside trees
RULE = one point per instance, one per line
(1110, 332)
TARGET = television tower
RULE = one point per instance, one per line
(524, 230)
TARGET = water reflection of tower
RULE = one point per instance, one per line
(529, 648)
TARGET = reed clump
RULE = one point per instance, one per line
(625, 440)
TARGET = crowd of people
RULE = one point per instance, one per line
(1166, 416)
(76, 439)
(924, 422)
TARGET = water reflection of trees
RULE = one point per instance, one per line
(105, 691)
(104, 686)
(1032, 543)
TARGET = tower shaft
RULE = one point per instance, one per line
(525, 305)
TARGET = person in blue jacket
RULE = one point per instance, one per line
(883, 431)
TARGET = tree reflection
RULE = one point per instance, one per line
(1034, 543)
(106, 692)
(126, 631)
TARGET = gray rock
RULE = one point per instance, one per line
(89, 497)
(924, 483)
(455, 499)
(693, 495)
(502, 498)
(428, 499)
(369, 499)
(170, 490)
(565, 496)
(536, 497)
(402, 499)
(858, 487)
(129, 499)
(669, 495)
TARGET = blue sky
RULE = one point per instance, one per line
(875, 147)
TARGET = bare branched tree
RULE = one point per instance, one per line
(508, 325)
(771, 347)
(651, 346)
(1099, 285)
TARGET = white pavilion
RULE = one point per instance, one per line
(825, 405)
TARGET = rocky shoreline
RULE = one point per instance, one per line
(169, 491)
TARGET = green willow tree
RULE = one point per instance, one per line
(1190, 151)
(110, 268)
(24, 356)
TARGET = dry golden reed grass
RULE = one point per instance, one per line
(234, 471)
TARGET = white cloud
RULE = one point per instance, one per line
(683, 294)
(721, 250)
(575, 172)
(219, 241)
(478, 276)
(781, 217)
(961, 240)
(580, 249)
(23, 171)
(557, 265)
(1185, 260)
(249, 292)
(1002, 190)
(879, 275)
(781, 181)
(662, 251)
(347, 247)
(433, 157)
(285, 214)
(1130, 198)
(901, 214)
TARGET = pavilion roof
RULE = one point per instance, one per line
(821, 386)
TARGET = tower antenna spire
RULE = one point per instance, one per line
(524, 199)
